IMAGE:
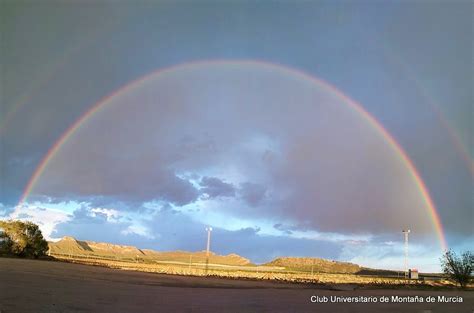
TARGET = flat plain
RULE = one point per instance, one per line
(48, 286)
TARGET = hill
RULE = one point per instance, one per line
(315, 264)
(70, 246)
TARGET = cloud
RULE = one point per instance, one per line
(102, 225)
(46, 218)
(175, 190)
(274, 146)
(167, 228)
(110, 215)
(213, 187)
(137, 230)
(283, 228)
(251, 193)
(263, 248)
(24, 216)
(179, 231)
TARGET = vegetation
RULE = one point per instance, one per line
(22, 239)
(458, 269)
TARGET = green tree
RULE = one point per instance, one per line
(22, 239)
(458, 269)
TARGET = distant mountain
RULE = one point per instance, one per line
(315, 264)
(73, 247)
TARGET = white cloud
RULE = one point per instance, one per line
(46, 218)
(140, 230)
(111, 215)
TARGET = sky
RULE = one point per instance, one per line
(289, 127)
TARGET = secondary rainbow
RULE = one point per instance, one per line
(432, 211)
(454, 136)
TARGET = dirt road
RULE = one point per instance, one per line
(45, 286)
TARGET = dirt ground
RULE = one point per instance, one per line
(46, 286)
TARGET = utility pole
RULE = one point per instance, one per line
(209, 229)
(406, 232)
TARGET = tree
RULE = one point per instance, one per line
(458, 268)
(22, 239)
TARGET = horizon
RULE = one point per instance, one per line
(56, 240)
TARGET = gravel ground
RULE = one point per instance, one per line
(46, 286)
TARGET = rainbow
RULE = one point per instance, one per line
(454, 136)
(50, 70)
(431, 208)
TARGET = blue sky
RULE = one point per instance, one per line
(407, 63)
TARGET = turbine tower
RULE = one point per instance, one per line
(208, 229)
(406, 232)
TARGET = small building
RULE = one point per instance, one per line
(413, 273)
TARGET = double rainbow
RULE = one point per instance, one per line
(397, 149)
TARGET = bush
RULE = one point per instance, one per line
(22, 239)
(458, 269)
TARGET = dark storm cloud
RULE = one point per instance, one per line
(214, 187)
(252, 193)
(112, 183)
(176, 191)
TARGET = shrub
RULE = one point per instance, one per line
(458, 269)
(22, 239)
